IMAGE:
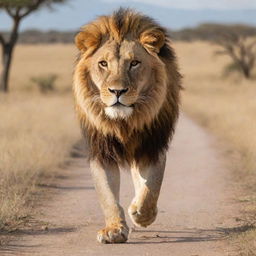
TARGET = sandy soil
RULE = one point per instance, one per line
(196, 208)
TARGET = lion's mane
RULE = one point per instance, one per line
(143, 136)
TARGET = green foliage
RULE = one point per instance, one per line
(16, 3)
(26, 3)
(18, 9)
(45, 83)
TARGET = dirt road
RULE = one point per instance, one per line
(196, 206)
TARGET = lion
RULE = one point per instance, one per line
(126, 88)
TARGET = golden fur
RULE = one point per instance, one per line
(141, 128)
(126, 87)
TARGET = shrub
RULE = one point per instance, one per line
(46, 83)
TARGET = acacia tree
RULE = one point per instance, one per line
(241, 49)
(17, 10)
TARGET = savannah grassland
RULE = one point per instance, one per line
(226, 105)
(37, 130)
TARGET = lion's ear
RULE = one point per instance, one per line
(87, 42)
(153, 40)
(80, 41)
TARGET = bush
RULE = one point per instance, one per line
(231, 68)
(46, 83)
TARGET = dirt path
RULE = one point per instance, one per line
(194, 208)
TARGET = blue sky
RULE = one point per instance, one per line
(174, 14)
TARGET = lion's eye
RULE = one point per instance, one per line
(103, 63)
(134, 63)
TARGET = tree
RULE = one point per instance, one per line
(241, 49)
(17, 10)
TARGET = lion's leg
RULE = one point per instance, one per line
(107, 184)
(147, 183)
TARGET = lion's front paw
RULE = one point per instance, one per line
(113, 234)
(142, 216)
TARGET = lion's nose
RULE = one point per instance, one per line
(118, 93)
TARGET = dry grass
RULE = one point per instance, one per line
(227, 106)
(40, 60)
(245, 243)
(36, 131)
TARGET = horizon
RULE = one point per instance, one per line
(174, 30)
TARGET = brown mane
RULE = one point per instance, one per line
(141, 137)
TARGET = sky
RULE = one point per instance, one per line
(195, 4)
(174, 14)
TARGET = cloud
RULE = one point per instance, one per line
(196, 4)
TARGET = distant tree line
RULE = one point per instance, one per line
(212, 32)
(34, 36)
(209, 32)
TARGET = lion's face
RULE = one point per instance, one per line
(123, 75)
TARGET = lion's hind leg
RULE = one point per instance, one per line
(107, 184)
(147, 182)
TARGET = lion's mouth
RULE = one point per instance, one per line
(119, 104)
